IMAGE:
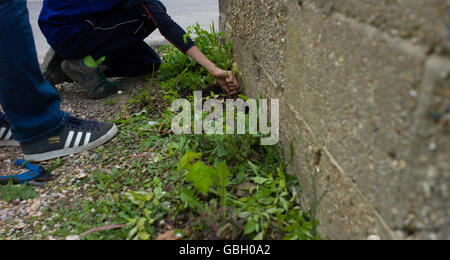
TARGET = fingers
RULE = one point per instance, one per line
(232, 81)
(227, 89)
(228, 82)
(234, 89)
(230, 77)
(230, 92)
(234, 84)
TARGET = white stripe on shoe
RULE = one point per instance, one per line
(2, 131)
(69, 139)
(87, 139)
(8, 135)
(78, 139)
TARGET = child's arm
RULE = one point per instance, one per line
(175, 34)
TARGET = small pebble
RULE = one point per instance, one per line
(3, 156)
(73, 238)
(432, 146)
(373, 238)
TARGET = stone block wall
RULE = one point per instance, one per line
(364, 88)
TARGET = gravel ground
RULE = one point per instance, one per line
(14, 215)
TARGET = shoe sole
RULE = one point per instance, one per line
(9, 143)
(75, 150)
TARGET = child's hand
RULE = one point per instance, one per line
(227, 81)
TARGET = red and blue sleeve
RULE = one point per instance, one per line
(168, 28)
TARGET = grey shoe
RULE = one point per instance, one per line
(77, 136)
(91, 80)
(51, 68)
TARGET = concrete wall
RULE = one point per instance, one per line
(366, 84)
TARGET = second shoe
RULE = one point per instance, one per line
(92, 80)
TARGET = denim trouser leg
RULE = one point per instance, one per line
(31, 104)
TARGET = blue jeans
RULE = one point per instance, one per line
(31, 104)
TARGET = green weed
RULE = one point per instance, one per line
(11, 192)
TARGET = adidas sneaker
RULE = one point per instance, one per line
(77, 136)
